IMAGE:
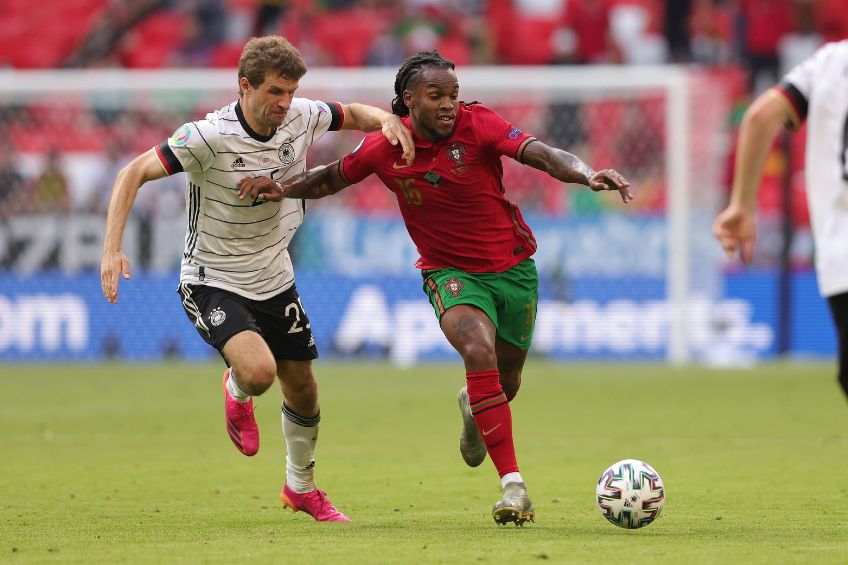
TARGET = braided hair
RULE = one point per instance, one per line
(408, 73)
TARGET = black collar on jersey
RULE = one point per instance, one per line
(249, 130)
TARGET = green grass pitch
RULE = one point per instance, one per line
(132, 464)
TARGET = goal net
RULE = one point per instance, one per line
(635, 281)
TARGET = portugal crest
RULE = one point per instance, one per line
(456, 154)
(454, 286)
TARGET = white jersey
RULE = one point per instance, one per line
(230, 244)
(817, 90)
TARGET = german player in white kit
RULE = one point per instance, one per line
(816, 91)
(236, 279)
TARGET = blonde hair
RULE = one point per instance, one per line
(272, 53)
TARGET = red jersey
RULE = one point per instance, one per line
(452, 197)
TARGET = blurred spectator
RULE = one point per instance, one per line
(203, 30)
(797, 45)
(423, 27)
(211, 16)
(386, 50)
(192, 50)
(711, 32)
(12, 188)
(421, 30)
(636, 31)
(339, 4)
(831, 18)
(676, 29)
(585, 38)
(764, 22)
(114, 159)
(49, 192)
(269, 13)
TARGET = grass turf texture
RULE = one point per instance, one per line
(132, 464)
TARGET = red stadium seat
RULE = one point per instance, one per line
(455, 48)
(226, 55)
(154, 40)
(528, 41)
(30, 40)
(348, 35)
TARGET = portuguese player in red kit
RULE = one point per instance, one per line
(475, 247)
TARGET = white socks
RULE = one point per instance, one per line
(301, 434)
(235, 390)
(511, 478)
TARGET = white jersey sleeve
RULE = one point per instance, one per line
(817, 92)
(798, 84)
(317, 117)
(195, 145)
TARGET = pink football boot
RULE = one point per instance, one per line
(241, 425)
(314, 503)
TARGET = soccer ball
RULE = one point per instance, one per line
(630, 494)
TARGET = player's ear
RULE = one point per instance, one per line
(244, 85)
(407, 98)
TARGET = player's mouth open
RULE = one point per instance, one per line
(446, 119)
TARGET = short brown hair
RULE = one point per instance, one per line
(270, 54)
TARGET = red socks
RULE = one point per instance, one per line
(490, 408)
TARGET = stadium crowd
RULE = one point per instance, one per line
(761, 34)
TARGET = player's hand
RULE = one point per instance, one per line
(396, 132)
(610, 179)
(112, 265)
(736, 229)
(260, 189)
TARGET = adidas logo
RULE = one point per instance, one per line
(237, 164)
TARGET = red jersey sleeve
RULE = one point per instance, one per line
(499, 134)
(364, 158)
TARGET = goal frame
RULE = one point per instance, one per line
(673, 81)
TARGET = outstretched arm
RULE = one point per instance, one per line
(370, 118)
(145, 167)
(315, 183)
(736, 227)
(567, 167)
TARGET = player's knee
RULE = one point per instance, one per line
(306, 389)
(256, 375)
(477, 354)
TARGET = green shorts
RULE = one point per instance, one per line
(509, 298)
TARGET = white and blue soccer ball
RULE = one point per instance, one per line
(630, 494)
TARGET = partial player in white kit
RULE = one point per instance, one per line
(816, 91)
(236, 279)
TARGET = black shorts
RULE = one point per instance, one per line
(282, 322)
